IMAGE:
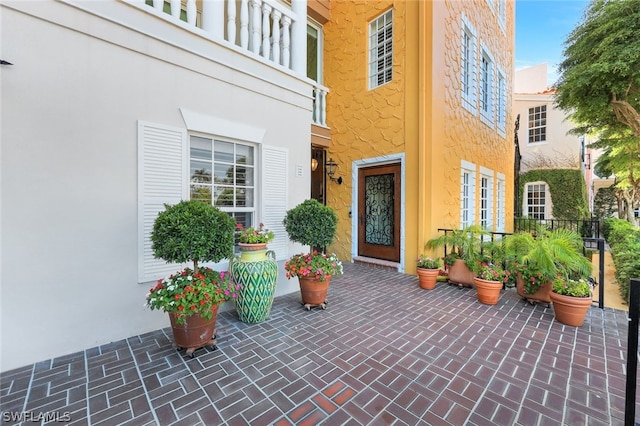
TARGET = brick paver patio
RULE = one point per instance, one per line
(384, 352)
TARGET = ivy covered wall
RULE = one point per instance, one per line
(568, 192)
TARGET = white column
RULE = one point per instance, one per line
(175, 8)
(266, 27)
(275, 46)
(286, 41)
(299, 37)
(191, 12)
(254, 26)
(244, 24)
(231, 21)
(213, 17)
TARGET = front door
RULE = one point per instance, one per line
(379, 212)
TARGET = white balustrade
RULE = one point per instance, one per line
(263, 27)
(320, 105)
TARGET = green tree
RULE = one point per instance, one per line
(599, 82)
(621, 160)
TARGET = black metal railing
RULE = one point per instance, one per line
(587, 228)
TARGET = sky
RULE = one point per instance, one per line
(542, 26)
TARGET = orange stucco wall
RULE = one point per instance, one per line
(418, 114)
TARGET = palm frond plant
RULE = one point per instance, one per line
(542, 258)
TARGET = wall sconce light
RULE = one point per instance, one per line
(331, 170)
(314, 164)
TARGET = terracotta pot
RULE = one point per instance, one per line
(314, 291)
(488, 291)
(427, 278)
(570, 310)
(195, 332)
(460, 274)
(254, 246)
(541, 295)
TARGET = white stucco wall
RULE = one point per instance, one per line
(70, 106)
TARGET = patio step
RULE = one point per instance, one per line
(377, 263)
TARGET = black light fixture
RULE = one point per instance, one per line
(331, 170)
(3, 62)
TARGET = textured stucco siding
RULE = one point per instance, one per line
(419, 114)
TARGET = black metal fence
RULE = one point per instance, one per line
(587, 228)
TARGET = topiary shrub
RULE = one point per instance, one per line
(311, 223)
(193, 231)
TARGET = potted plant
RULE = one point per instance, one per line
(571, 299)
(466, 246)
(253, 238)
(192, 231)
(428, 270)
(541, 258)
(313, 224)
(256, 270)
(489, 281)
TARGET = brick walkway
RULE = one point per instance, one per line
(384, 352)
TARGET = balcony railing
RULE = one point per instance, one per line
(259, 27)
(262, 27)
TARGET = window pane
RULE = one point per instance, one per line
(223, 173)
(223, 152)
(224, 196)
(200, 172)
(244, 197)
(201, 192)
(200, 148)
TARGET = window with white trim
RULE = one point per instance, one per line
(175, 166)
(536, 205)
(467, 194)
(500, 203)
(501, 104)
(486, 87)
(224, 174)
(502, 14)
(486, 198)
(314, 51)
(381, 50)
(538, 124)
(468, 66)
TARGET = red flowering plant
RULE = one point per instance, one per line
(251, 235)
(532, 277)
(313, 265)
(187, 293)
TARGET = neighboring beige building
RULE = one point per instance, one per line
(543, 139)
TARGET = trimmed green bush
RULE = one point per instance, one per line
(193, 231)
(624, 240)
(311, 223)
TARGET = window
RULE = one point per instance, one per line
(538, 124)
(314, 53)
(468, 67)
(467, 194)
(502, 14)
(500, 209)
(223, 174)
(501, 107)
(486, 87)
(381, 50)
(536, 200)
(486, 198)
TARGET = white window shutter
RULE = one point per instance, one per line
(274, 196)
(162, 178)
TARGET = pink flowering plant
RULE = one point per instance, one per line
(187, 293)
(313, 265)
(491, 272)
(427, 262)
(251, 235)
